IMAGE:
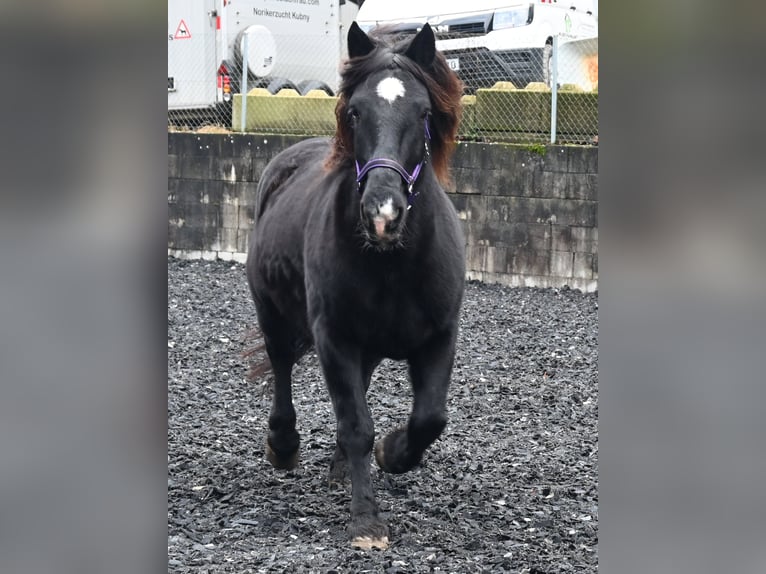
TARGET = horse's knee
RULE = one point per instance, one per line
(356, 438)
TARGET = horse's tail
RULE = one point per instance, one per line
(256, 356)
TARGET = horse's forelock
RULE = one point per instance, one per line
(443, 85)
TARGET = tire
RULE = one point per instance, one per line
(306, 86)
(257, 83)
(279, 84)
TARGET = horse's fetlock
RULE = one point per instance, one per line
(428, 428)
(282, 423)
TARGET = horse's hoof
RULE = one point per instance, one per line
(368, 542)
(388, 453)
(281, 463)
(368, 531)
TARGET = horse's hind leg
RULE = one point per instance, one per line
(430, 370)
(283, 440)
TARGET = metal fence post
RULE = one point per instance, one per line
(554, 85)
(243, 90)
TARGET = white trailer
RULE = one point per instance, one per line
(290, 43)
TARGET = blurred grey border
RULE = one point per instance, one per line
(83, 219)
(682, 279)
(82, 304)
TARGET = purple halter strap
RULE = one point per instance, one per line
(409, 178)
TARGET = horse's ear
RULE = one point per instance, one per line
(422, 49)
(359, 43)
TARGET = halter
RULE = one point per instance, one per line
(409, 178)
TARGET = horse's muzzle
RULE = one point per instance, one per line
(383, 217)
(383, 207)
(383, 220)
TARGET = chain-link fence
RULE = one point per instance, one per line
(546, 94)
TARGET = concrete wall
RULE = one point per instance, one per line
(529, 213)
(530, 217)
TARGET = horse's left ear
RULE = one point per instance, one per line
(422, 49)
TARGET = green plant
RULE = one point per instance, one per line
(537, 148)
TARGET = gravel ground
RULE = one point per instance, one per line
(511, 485)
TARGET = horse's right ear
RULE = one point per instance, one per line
(359, 43)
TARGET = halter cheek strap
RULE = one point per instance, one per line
(409, 178)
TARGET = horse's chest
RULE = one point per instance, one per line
(393, 314)
(387, 319)
(395, 325)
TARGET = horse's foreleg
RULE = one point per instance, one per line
(338, 467)
(430, 370)
(345, 375)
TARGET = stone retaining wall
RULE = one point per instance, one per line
(529, 212)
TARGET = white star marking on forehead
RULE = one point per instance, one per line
(390, 89)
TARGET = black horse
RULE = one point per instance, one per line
(358, 251)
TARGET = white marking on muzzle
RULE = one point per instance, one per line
(387, 209)
(386, 213)
(390, 88)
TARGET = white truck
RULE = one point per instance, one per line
(290, 43)
(486, 41)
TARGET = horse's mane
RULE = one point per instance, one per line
(442, 84)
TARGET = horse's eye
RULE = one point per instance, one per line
(353, 116)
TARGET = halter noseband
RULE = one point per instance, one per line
(409, 178)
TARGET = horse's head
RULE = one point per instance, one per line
(385, 126)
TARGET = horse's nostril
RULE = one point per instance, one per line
(369, 212)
